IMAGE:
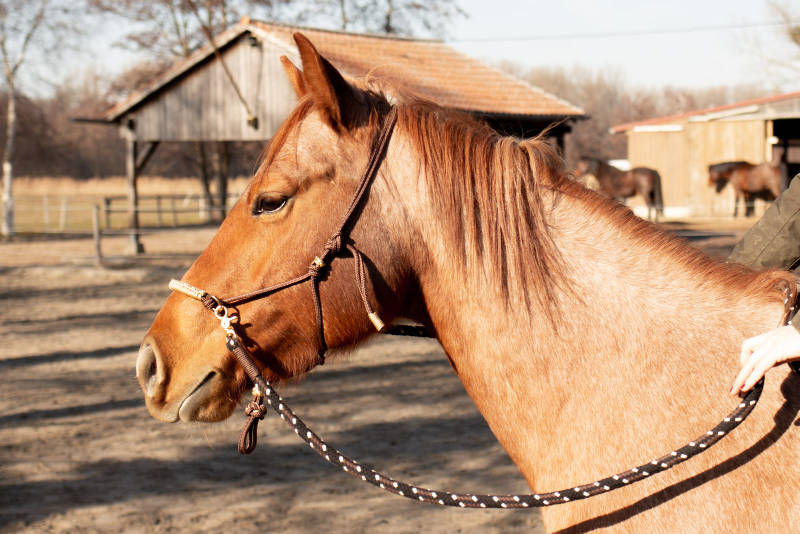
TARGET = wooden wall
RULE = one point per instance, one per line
(203, 105)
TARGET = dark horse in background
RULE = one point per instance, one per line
(749, 182)
(620, 185)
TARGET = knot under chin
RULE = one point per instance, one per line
(256, 411)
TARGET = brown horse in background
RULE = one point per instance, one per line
(749, 182)
(589, 339)
(619, 185)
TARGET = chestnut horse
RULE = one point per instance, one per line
(749, 182)
(589, 339)
(619, 185)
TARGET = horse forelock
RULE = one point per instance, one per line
(489, 191)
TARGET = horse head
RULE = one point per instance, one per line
(719, 174)
(585, 165)
(287, 214)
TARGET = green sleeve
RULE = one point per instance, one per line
(774, 241)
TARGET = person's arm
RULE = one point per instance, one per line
(774, 241)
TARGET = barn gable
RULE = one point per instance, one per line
(198, 100)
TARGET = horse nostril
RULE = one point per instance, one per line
(149, 371)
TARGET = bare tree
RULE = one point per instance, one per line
(609, 100)
(19, 23)
(788, 65)
(405, 17)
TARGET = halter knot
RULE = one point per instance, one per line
(334, 245)
(255, 409)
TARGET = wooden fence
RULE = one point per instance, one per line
(74, 214)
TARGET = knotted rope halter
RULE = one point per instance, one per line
(263, 391)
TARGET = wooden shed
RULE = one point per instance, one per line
(236, 90)
(681, 147)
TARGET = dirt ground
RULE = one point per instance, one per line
(79, 452)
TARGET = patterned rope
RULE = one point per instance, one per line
(470, 500)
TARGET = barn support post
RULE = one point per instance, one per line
(134, 164)
(127, 132)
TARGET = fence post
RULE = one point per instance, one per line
(172, 208)
(158, 210)
(46, 209)
(107, 209)
(63, 220)
(202, 209)
(98, 255)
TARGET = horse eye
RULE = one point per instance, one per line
(266, 204)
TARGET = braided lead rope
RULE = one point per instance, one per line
(470, 500)
(264, 391)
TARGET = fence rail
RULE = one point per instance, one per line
(74, 214)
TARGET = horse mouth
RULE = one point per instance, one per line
(196, 400)
(204, 402)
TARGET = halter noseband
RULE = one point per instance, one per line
(262, 390)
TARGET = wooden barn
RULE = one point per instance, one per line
(681, 147)
(236, 90)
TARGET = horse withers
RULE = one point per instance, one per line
(589, 339)
(749, 182)
(620, 185)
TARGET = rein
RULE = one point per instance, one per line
(263, 391)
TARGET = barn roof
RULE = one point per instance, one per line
(425, 68)
(764, 108)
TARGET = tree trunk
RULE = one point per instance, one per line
(8, 169)
(221, 165)
(205, 178)
(388, 27)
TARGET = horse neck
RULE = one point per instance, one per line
(620, 326)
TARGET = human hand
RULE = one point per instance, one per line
(762, 352)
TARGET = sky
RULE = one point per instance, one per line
(650, 44)
(645, 41)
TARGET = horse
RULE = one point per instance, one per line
(749, 182)
(588, 338)
(619, 185)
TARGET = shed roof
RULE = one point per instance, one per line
(757, 108)
(425, 68)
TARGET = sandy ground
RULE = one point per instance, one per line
(79, 453)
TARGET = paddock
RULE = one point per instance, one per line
(81, 454)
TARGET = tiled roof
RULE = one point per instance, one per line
(620, 128)
(425, 68)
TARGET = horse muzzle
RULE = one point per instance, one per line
(204, 397)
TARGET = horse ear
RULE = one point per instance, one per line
(326, 84)
(295, 77)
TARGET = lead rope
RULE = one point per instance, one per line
(263, 391)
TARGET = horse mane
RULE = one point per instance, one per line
(489, 187)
